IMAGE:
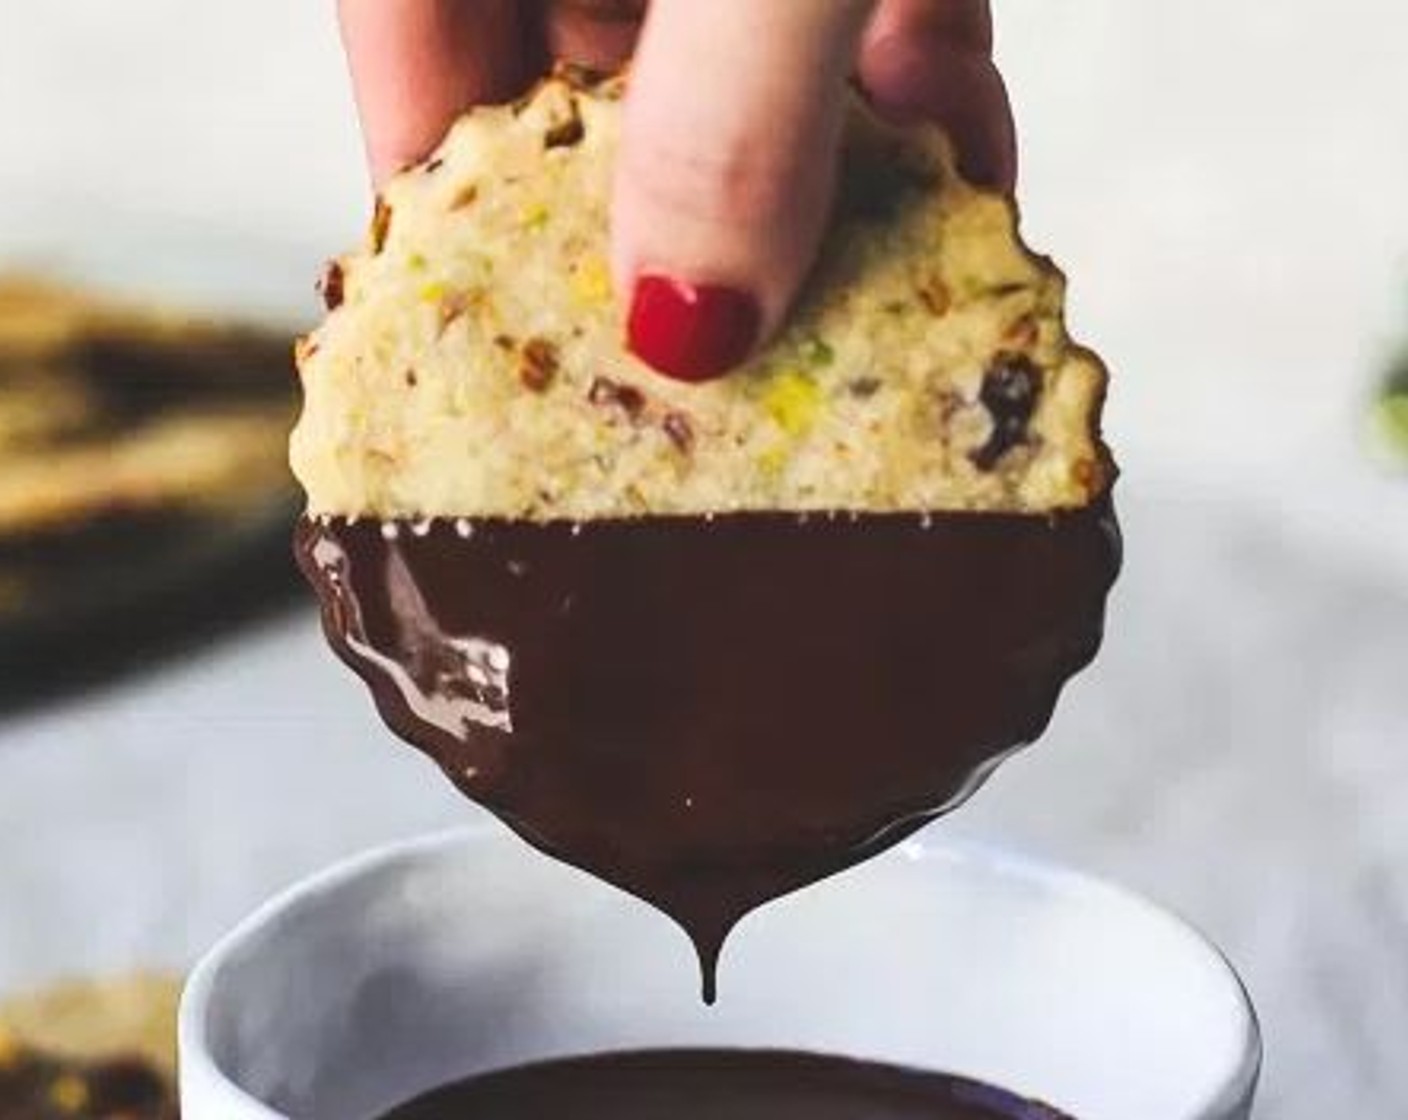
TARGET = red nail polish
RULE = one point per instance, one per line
(691, 332)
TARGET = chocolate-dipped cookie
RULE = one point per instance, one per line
(709, 642)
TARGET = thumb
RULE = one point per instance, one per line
(727, 171)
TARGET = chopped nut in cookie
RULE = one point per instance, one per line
(1011, 387)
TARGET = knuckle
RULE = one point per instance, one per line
(964, 25)
(746, 179)
(605, 11)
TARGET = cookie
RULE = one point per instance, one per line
(109, 410)
(38, 407)
(472, 361)
(46, 324)
(91, 1018)
(39, 320)
(184, 461)
(35, 1085)
(91, 1049)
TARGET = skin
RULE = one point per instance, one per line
(733, 117)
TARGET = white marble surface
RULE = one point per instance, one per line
(1226, 185)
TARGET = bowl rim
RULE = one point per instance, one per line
(198, 1064)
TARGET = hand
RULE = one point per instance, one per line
(733, 123)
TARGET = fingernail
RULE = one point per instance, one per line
(691, 332)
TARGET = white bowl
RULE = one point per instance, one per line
(430, 960)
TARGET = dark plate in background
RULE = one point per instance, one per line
(161, 513)
(153, 591)
(127, 594)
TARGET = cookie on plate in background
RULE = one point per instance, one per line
(100, 1048)
(108, 410)
(139, 448)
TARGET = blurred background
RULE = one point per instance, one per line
(1225, 184)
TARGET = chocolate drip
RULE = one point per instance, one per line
(719, 1085)
(710, 714)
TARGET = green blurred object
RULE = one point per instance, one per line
(1390, 414)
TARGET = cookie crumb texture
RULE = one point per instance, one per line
(90, 1020)
(472, 362)
(104, 1049)
(38, 1086)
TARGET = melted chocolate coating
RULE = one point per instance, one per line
(710, 714)
(718, 1085)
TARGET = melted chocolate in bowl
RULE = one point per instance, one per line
(712, 713)
(718, 1085)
